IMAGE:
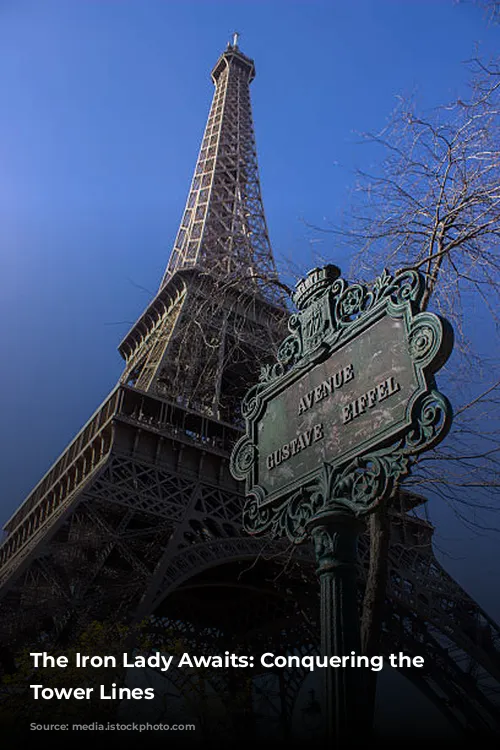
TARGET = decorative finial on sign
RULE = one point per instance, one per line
(316, 281)
(236, 36)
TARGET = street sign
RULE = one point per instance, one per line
(351, 399)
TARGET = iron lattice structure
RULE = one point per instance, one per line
(223, 227)
(140, 516)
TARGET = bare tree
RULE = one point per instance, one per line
(434, 205)
(491, 8)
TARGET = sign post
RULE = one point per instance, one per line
(335, 537)
(330, 429)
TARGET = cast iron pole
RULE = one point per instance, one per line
(335, 535)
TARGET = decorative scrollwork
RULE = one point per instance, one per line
(337, 288)
(409, 286)
(355, 301)
(256, 516)
(251, 402)
(426, 336)
(405, 286)
(422, 342)
(290, 350)
(431, 420)
(243, 457)
(352, 303)
(361, 485)
(268, 373)
(326, 546)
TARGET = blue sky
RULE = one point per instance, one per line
(104, 105)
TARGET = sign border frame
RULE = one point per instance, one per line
(331, 314)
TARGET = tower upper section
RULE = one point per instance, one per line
(223, 229)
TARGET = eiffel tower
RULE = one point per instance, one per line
(140, 517)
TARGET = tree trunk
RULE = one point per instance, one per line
(374, 599)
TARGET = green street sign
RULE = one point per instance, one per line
(350, 400)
